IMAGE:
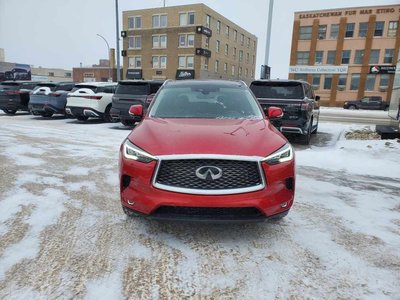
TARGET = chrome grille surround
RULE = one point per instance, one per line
(176, 189)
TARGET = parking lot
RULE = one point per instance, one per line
(63, 233)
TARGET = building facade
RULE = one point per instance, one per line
(51, 74)
(346, 53)
(183, 42)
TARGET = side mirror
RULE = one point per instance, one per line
(136, 112)
(275, 112)
(317, 98)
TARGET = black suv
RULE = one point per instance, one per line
(298, 102)
(130, 92)
(14, 95)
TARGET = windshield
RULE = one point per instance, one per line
(205, 101)
(139, 88)
(278, 90)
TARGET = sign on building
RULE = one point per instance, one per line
(318, 69)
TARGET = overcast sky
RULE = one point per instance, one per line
(62, 33)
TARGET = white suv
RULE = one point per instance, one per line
(92, 99)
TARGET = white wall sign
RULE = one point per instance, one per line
(318, 69)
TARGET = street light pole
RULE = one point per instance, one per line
(117, 38)
(109, 62)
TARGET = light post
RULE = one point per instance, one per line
(109, 62)
(117, 37)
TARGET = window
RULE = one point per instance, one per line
(135, 62)
(355, 82)
(186, 40)
(252, 73)
(225, 68)
(392, 30)
(217, 46)
(134, 22)
(242, 39)
(247, 58)
(227, 31)
(216, 66)
(379, 28)
(363, 29)
(68, 74)
(388, 58)
(330, 60)
(135, 42)
(254, 45)
(342, 81)
(358, 57)
(334, 31)
(207, 43)
(374, 56)
(328, 82)
(233, 70)
(349, 30)
(322, 32)
(159, 41)
(186, 62)
(246, 72)
(159, 21)
(226, 49)
(316, 81)
(370, 83)
(384, 82)
(218, 26)
(345, 57)
(302, 57)
(235, 35)
(51, 74)
(159, 62)
(206, 61)
(300, 77)
(208, 21)
(254, 60)
(240, 71)
(305, 33)
(234, 52)
(186, 18)
(248, 43)
(240, 55)
(319, 55)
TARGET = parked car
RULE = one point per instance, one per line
(205, 151)
(91, 100)
(299, 104)
(131, 92)
(368, 102)
(14, 95)
(50, 98)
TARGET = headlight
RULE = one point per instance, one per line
(130, 151)
(281, 155)
(346, 103)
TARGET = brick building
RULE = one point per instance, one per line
(346, 53)
(188, 41)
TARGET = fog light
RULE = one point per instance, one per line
(131, 202)
(284, 204)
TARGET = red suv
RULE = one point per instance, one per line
(206, 151)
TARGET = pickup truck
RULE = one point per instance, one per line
(368, 102)
(299, 104)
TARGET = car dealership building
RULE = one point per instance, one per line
(183, 42)
(346, 53)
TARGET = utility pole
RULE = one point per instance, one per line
(266, 68)
(117, 40)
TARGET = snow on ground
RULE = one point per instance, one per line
(63, 233)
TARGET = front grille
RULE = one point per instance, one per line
(208, 213)
(236, 174)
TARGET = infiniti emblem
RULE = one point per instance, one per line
(209, 173)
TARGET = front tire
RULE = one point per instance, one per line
(305, 139)
(47, 114)
(10, 111)
(107, 117)
(127, 122)
(352, 107)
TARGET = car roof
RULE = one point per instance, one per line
(103, 83)
(17, 81)
(140, 81)
(225, 83)
(280, 80)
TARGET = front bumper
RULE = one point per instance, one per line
(140, 196)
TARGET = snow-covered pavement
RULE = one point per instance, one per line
(63, 233)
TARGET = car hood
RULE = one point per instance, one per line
(207, 136)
